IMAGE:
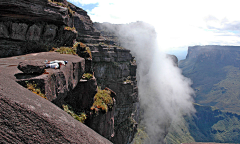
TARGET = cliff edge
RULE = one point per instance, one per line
(29, 118)
(28, 31)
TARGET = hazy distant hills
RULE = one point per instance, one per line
(215, 73)
(209, 124)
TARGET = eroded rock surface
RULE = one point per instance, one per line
(39, 25)
(34, 26)
(30, 67)
(28, 118)
(113, 68)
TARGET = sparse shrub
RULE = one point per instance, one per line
(75, 45)
(86, 49)
(70, 28)
(71, 11)
(35, 89)
(82, 117)
(66, 50)
(102, 100)
(58, 3)
(87, 75)
(127, 80)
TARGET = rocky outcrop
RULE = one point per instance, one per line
(113, 67)
(28, 118)
(56, 83)
(29, 67)
(39, 25)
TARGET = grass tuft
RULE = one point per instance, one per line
(35, 89)
(82, 117)
(102, 100)
(65, 50)
(82, 45)
(87, 76)
(73, 29)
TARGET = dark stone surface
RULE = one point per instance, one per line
(34, 26)
(82, 96)
(27, 118)
(103, 123)
(57, 82)
(111, 70)
(29, 67)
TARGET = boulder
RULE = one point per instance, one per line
(30, 67)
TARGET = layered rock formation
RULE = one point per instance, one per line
(35, 26)
(113, 68)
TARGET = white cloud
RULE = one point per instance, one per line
(178, 23)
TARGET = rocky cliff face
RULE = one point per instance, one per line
(113, 67)
(39, 25)
(35, 26)
(29, 118)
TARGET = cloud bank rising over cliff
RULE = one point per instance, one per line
(165, 95)
(180, 23)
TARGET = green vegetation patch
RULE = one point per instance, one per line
(35, 89)
(73, 29)
(215, 81)
(80, 117)
(209, 124)
(71, 11)
(87, 76)
(102, 100)
(83, 46)
(65, 50)
(127, 80)
(58, 3)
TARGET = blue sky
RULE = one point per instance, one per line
(179, 23)
(87, 7)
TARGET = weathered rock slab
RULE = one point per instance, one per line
(28, 118)
(31, 66)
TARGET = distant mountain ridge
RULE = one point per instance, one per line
(215, 73)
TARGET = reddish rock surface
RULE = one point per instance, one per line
(27, 118)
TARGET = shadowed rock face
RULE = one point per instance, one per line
(114, 67)
(28, 118)
(38, 25)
